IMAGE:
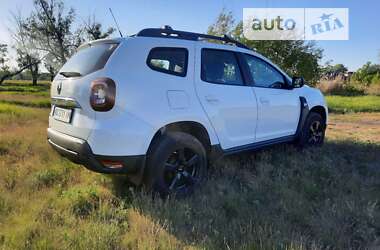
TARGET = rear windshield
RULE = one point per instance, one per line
(88, 59)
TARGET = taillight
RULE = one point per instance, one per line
(103, 92)
(112, 164)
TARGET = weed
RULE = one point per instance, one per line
(49, 177)
(82, 201)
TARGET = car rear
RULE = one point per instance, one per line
(71, 111)
(80, 91)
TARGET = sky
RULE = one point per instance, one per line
(196, 15)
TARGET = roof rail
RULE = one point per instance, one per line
(168, 32)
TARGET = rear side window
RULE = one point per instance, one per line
(168, 60)
(220, 66)
(88, 59)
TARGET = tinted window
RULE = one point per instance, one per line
(220, 66)
(263, 74)
(168, 60)
(89, 59)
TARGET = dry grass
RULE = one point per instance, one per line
(25, 82)
(25, 100)
(361, 127)
(279, 198)
(339, 87)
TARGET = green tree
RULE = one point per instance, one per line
(3, 57)
(332, 71)
(51, 65)
(30, 62)
(93, 29)
(6, 73)
(367, 73)
(224, 24)
(296, 57)
(28, 57)
(50, 28)
(339, 68)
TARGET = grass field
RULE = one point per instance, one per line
(280, 198)
(344, 104)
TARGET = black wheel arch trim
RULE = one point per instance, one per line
(304, 112)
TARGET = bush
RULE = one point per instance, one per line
(376, 79)
(82, 201)
(367, 74)
(373, 89)
(49, 177)
(337, 87)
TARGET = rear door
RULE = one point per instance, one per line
(229, 103)
(278, 105)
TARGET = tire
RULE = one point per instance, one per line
(313, 131)
(176, 164)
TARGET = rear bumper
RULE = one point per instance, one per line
(79, 151)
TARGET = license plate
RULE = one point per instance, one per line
(62, 114)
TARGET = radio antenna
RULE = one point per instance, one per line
(117, 25)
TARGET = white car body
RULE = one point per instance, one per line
(147, 101)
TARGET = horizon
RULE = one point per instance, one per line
(363, 44)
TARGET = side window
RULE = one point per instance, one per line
(219, 66)
(263, 74)
(168, 60)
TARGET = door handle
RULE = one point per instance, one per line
(264, 100)
(211, 99)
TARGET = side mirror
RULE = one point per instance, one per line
(297, 82)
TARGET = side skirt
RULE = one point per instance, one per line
(217, 152)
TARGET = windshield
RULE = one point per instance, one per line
(88, 59)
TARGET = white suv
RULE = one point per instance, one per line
(160, 105)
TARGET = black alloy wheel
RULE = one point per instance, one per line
(181, 169)
(316, 133)
(176, 165)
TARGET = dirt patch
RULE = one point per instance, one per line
(359, 126)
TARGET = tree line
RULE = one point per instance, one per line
(296, 57)
(47, 37)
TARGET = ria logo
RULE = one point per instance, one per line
(328, 23)
(59, 88)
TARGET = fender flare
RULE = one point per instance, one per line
(304, 112)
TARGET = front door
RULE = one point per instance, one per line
(278, 105)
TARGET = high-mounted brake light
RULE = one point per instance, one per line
(103, 93)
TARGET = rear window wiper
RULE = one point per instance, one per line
(70, 74)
